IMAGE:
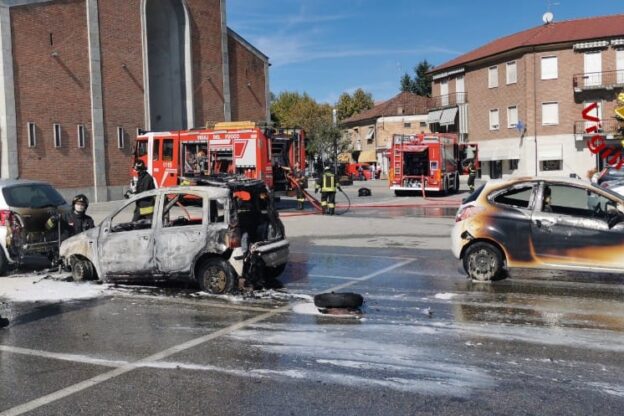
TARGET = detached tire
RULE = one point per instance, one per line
(338, 300)
(483, 262)
(216, 276)
(82, 270)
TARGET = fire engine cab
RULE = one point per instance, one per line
(239, 148)
(432, 162)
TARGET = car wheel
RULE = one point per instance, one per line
(82, 270)
(483, 261)
(216, 276)
(338, 300)
(272, 273)
(456, 187)
(4, 264)
(445, 191)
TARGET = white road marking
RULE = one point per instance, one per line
(319, 253)
(94, 381)
(327, 276)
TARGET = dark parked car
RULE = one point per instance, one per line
(610, 174)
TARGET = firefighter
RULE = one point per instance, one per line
(299, 176)
(472, 175)
(327, 184)
(144, 207)
(72, 222)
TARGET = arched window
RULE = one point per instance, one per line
(167, 65)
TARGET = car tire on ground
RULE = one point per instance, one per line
(483, 262)
(4, 263)
(272, 273)
(216, 276)
(338, 300)
(82, 270)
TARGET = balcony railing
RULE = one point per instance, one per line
(448, 100)
(597, 80)
(606, 127)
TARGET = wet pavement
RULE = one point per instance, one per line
(428, 340)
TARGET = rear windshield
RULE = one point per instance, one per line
(473, 196)
(32, 195)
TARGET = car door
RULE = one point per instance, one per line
(181, 234)
(510, 221)
(574, 232)
(126, 247)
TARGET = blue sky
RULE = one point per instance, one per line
(326, 47)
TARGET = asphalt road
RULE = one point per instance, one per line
(428, 341)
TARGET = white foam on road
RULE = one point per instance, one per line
(41, 289)
(445, 296)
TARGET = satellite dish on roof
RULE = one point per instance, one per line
(547, 17)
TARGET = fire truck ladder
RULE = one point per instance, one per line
(398, 161)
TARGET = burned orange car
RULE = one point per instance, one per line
(547, 223)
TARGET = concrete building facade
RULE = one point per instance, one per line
(78, 78)
(521, 97)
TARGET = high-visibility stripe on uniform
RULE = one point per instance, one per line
(146, 210)
(329, 183)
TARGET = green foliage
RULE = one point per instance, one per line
(421, 83)
(349, 105)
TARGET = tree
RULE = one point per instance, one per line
(407, 85)
(349, 105)
(328, 141)
(422, 82)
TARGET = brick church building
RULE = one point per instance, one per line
(78, 78)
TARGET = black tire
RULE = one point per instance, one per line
(338, 300)
(272, 273)
(216, 276)
(456, 187)
(82, 270)
(445, 191)
(483, 262)
(399, 193)
(4, 263)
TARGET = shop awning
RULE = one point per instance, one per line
(499, 153)
(434, 117)
(448, 116)
(550, 152)
(367, 156)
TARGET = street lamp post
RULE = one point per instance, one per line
(335, 123)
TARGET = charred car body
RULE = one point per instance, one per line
(549, 223)
(25, 206)
(220, 231)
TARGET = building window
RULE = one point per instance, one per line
(513, 164)
(512, 73)
(120, 137)
(493, 77)
(423, 124)
(549, 165)
(167, 150)
(550, 114)
(494, 119)
(549, 67)
(32, 134)
(407, 125)
(370, 136)
(512, 116)
(57, 134)
(80, 133)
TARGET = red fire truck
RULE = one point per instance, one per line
(434, 160)
(239, 148)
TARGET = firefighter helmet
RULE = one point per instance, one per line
(327, 168)
(80, 198)
(139, 165)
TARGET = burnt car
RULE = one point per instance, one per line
(222, 232)
(541, 223)
(25, 206)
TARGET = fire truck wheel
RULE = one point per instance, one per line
(445, 190)
(272, 273)
(483, 262)
(456, 187)
(399, 193)
(216, 276)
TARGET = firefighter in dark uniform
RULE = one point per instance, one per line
(299, 178)
(144, 207)
(75, 221)
(472, 174)
(327, 184)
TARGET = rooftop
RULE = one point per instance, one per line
(590, 28)
(405, 103)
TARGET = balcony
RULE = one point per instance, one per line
(448, 100)
(598, 80)
(608, 128)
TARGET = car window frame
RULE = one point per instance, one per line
(107, 223)
(493, 195)
(205, 219)
(595, 190)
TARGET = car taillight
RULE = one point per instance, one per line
(467, 212)
(5, 217)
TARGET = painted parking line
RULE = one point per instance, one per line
(320, 253)
(94, 381)
(328, 276)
